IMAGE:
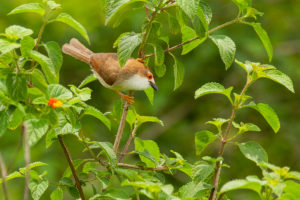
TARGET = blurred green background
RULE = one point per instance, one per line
(182, 115)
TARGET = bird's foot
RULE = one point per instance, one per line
(127, 98)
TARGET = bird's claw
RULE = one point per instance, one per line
(128, 99)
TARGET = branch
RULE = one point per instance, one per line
(197, 37)
(27, 161)
(69, 159)
(132, 134)
(122, 125)
(3, 176)
(142, 168)
(213, 193)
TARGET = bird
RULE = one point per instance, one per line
(134, 75)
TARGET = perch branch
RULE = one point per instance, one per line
(27, 161)
(69, 159)
(126, 106)
(3, 176)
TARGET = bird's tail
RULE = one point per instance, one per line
(77, 50)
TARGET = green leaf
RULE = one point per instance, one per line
(202, 170)
(16, 118)
(29, 8)
(253, 151)
(73, 192)
(116, 43)
(109, 152)
(69, 20)
(3, 122)
(226, 48)
(206, 11)
(59, 92)
(263, 36)
(150, 94)
(188, 6)
(218, 122)
(144, 119)
(160, 70)
(57, 194)
(202, 139)
(213, 88)
(7, 46)
(246, 127)
(268, 113)
(127, 45)
(187, 34)
(16, 32)
(159, 54)
(117, 8)
(89, 110)
(87, 80)
(239, 184)
(242, 4)
(12, 176)
(27, 44)
(52, 5)
(46, 65)
(50, 137)
(38, 80)
(16, 86)
(54, 52)
(193, 190)
(291, 191)
(178, 72)
(38, 188)
(131, 118)
(150, 147)
(36, 129)
(280, 78)
(246, 66)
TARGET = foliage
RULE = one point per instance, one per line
(32, 98)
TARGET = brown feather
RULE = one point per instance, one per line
(106, 65)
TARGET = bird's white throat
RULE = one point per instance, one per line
(135, 82)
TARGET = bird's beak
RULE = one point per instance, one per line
(153, 85)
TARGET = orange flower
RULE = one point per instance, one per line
(54, 103)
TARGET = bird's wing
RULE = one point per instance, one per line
(107, 66)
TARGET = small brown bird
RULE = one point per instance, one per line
(134, 75)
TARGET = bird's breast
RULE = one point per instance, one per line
(135, 82)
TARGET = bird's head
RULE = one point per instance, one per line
(150, 78)
(136, 76)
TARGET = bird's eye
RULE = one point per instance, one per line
(149, 76)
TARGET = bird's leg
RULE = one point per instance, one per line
(127, 98)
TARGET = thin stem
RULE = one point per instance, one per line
(27, 161)
(213, 193)
(122, 125)
(197, 37)
(69, 159)
(142, 168)
(3, 176)
(40, 34)
(132, 134)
